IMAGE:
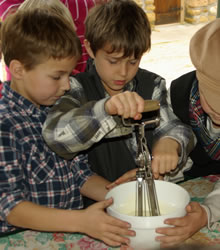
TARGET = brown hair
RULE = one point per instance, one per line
(32, 36)
(56, 6)
(120, 23)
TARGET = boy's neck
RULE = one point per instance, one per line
(13, 85)
(17, 86)
(110, 91)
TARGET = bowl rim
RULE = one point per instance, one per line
(150, 218)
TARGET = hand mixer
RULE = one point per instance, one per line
(145, 186)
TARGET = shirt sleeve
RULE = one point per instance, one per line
(73, 124)
(11, 174)
(8, 6)
(170, 125)
(81, 169)
(212, 207)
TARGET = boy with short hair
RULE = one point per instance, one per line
(38, 189)
(198, 104)
(89, 115)
(78, 11)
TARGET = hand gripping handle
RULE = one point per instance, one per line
(151, 105)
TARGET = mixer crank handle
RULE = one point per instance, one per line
(151, 105)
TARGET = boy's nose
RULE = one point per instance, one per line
(66, 84)
(123, 70)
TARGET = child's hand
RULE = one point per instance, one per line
(165, 156)
(128, 176)
(184, 227)
(98, 224)
(126, 104)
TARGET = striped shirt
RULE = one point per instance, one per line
(79, 11)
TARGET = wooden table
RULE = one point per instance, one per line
(32, 240)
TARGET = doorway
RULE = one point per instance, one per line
(167, 11)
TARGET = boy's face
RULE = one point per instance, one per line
(114, 70)
(214, 115)
(47, 82)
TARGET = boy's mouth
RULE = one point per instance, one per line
(119, 82)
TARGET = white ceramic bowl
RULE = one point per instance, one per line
(172, 201)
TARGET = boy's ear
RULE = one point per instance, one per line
(16, 69)
(88, 48)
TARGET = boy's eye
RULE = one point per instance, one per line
(56, 78)
(112, 61)
(133, 62)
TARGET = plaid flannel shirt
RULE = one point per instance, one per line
(29, 170)
(74, 124)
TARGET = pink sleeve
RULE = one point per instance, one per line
(79, 10)
(7, 6)
(1, 89)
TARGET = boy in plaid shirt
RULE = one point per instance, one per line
(38, 189)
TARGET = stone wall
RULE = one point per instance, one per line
(198, 11)
(149, 8)
(195, 11)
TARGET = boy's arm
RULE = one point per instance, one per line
(92, 221)
(183, 227)
(212, 206)
(170, 128)
(95, 188)
(74, 124)
(197, 217)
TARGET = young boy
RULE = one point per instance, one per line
(78, 11)
(38, 189)
(198, 104)
(89, 115)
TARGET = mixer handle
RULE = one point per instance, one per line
(151, 105)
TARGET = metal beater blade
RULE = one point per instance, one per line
(145, 186)
(145, 180)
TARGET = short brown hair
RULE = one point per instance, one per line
(56, 6)
(120, 23)
(32, 36)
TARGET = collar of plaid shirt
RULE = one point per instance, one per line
(198, 122)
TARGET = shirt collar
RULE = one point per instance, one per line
(14, 99)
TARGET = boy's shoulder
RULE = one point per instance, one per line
(90, 75)
(184, 82)
(7, 114)
(8, 119)
(188, 77)
(12, 112)
(146, 74)
(4, 108)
